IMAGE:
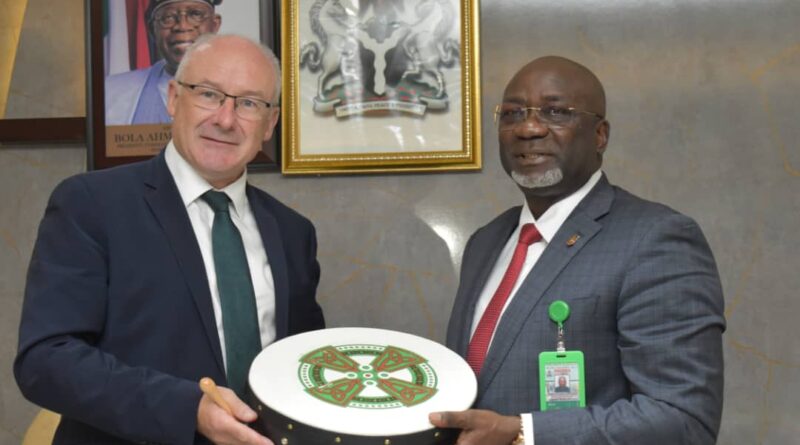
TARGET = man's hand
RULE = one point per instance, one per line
(224, 429)
(479, 427)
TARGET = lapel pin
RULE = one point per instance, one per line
(573, 239)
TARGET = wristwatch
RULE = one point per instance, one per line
(520, 439)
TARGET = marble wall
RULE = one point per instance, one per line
(702, 98)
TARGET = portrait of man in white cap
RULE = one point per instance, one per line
(139, 96)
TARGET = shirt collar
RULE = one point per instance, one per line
(163, 78)
(552, 219)
(192, 186)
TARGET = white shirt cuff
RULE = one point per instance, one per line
(527, 428)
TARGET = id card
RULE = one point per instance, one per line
(561, 380)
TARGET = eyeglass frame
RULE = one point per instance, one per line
(538, 110)
(225, 96)
(178, 14)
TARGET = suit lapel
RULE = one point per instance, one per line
(487, 248)
(271, 237)
(165, 202)
(582, 222)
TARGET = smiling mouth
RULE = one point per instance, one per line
(218, 141)
(532, 158)
(181, 44)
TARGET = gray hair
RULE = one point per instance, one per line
(206, 39)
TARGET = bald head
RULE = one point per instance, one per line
(585, 88)
(228, 43)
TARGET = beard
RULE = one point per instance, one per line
(535, 181)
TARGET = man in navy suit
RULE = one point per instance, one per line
(640, 280)
(122, 312)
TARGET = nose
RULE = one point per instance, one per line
(225, 116)
(183, 21)
(531, 128)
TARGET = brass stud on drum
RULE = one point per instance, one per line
(284, 441)
(290, 427)
(437, 434)
(338, 440)
(387, 442)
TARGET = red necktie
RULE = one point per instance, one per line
(479, 345)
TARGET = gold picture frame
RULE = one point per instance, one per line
(376, 86)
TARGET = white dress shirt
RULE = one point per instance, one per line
(191, 187)
(547, 224)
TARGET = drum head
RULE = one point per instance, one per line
(361, 381)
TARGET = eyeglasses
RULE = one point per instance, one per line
(248, 108)
(194, 16)
(507, 117)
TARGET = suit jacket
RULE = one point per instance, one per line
(646, 310)
(133, 96)
(117, 324)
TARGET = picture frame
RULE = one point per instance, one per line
(121, 141)
(382, 87)
(60, 130)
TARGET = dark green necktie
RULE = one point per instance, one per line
(236, 295)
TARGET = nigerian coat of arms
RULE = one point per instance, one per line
(381, 55)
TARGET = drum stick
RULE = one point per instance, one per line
(210, 388)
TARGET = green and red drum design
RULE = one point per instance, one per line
(367, 376)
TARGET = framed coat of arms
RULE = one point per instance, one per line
(380, 85)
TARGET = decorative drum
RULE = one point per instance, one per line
(358, 386)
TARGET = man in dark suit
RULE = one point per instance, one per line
(643, 288)
(129, 301)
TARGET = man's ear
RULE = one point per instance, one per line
(217, 23)
(602, 131)
(172, 97)
(273, 121)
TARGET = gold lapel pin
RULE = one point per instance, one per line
(573, 239)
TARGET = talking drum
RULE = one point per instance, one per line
(358, 386)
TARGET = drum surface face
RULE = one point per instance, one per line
(362, 381)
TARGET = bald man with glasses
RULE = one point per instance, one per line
(639, 279)
(147, 277)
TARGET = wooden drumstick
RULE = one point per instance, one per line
(209, 388)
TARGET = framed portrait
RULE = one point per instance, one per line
(132, 50)
(375, 85)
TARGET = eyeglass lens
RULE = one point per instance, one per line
(194, 17)
(546, 115)
(211, 99)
